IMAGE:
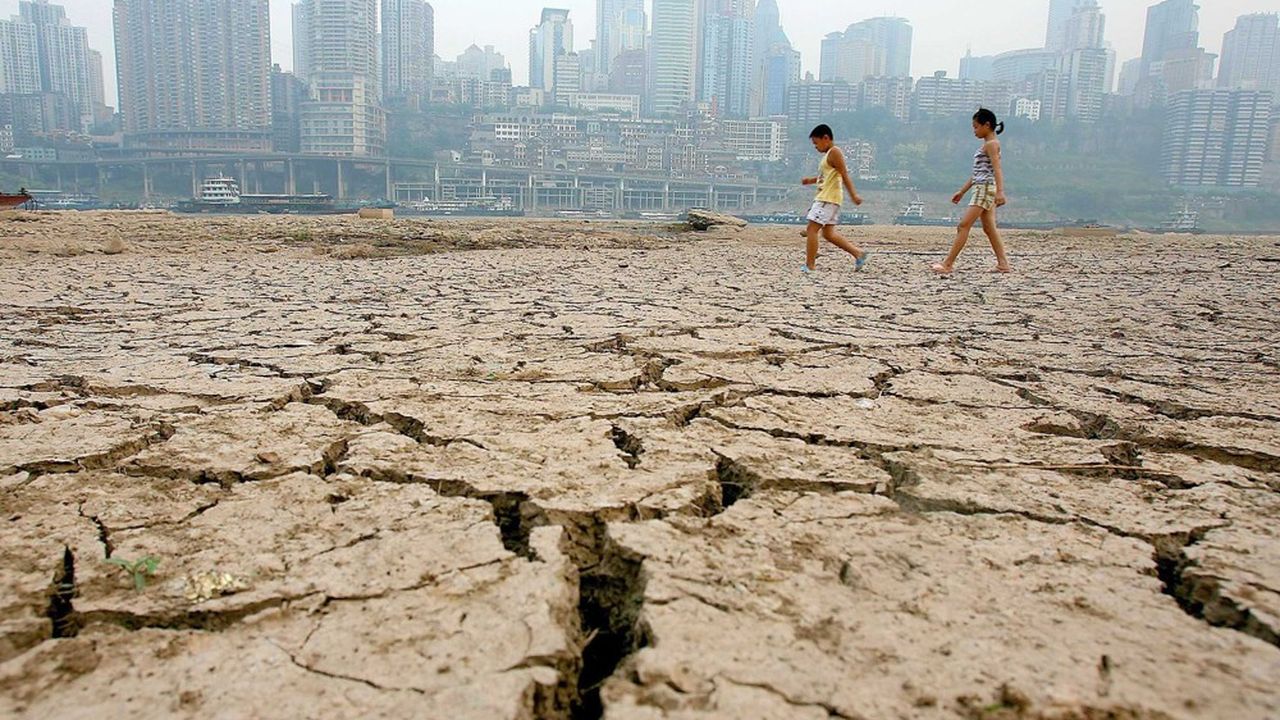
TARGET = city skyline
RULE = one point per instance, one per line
(943, 32)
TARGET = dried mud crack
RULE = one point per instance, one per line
(383, 475)
(1201, 596)
(611, 590)
(61, 611)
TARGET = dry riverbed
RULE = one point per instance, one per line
(527, 469)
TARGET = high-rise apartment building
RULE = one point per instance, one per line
(62, 50)
(728, 39)
(194, 74)
(1251, 54)
(761, 140)
(337, 36)
(893, 95)
(815, 102)
(673, 55)
(19, 58)
(879, 47)
(941, 96)
(42, 53)
(37, 113)
(1183, 70)
(343, 115)
(288, 93)
(1086, 62)
(97, 80)
(1217, 137)
(550, 41)
(1086, 72)
(568, 77)
(1050, 88)
(408, 50)
(620, 27)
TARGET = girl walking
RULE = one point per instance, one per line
(987, 182)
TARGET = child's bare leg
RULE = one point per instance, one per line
(811, 258)
(993, 234)
(962, 238)
(829, 232)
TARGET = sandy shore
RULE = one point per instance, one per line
(548, 470)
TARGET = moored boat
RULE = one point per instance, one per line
(222, 195)
(9, 202)
(488, 206)
(913, 214)
(1184, 220)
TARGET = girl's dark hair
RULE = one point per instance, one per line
(988, 118)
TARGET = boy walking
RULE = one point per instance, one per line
(833, 178)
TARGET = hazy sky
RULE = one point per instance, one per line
(944, 29)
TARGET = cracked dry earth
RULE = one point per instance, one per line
(622, 471)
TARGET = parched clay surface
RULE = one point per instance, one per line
(574, 470)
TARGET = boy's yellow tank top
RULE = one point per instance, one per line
(830, 185)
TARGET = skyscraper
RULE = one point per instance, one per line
(1130, 76)
(1018, 65)
(478, 63)
(1172, 59)
(776, 62)
(1251, 54)
(728, 32)
(408, 50)
(673, 55)
(630, 73)
(977, 67)
(1172, 26)
(1060, 12)
(98, 89)
(781, 71)
(302, 40)
(288, 93)
(194, 74)
(1184, 70)
(620, 27)
(550, 40)
(1216, 137)
(343, 115)
(879, 47)
(1086, 27)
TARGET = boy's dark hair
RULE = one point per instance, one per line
(988, 118)
(822, 131)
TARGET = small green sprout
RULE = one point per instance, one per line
(138, 569)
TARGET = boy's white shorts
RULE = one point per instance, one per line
(824, 213)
